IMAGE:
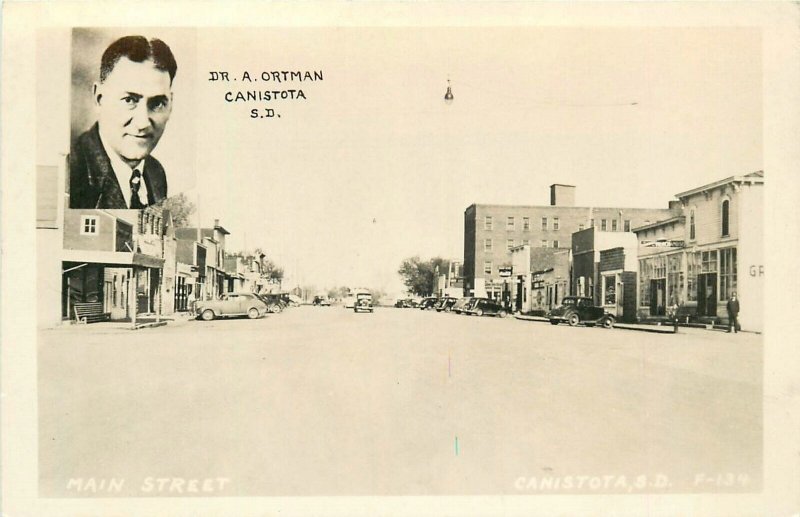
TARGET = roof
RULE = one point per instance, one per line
(680, 219)
(756, 178)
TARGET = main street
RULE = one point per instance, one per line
(323, 401)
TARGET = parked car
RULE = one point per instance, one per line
(462, 304)
(274, 302)
(231, 304)
(427, 303)
(321, 301)
(486, 307)
(446, 304)
(575, 310)
(363, 303)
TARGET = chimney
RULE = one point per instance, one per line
(675, 206)
(216, 223)
(562, 195)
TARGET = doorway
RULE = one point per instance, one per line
(707, 294)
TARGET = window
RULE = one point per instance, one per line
(544, 223)
(526, 242)
(674, 279)
(603, 225)
(544, 243)
(693, 261)
(725, 213)
(487, 267)
(613, 225)
(591, 223)
(487, 223)
(627, 225)
(510, 244)
(526, 223)
(580, 227)
(555, 244)
(88, 225)
(555, 223)
(510, 223)
(487, 245)
(609, 289)
(691, 225)
(727, 272)
(709, 261)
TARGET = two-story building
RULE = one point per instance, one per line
(696, 261)
(203, 249)
(540, 279)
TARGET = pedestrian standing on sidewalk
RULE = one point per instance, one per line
(672, 312)
(733, 314)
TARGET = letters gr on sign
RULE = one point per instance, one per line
(757, 270)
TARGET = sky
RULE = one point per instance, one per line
(373, 166)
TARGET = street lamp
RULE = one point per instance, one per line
(448, 97)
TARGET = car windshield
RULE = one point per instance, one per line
(568, 301)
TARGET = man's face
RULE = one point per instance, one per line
(134, 103)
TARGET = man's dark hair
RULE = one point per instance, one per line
(138, 49)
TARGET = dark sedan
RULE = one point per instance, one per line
(575, 310)
(487, 307)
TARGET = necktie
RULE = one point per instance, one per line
(136, 183)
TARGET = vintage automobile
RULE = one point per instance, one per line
(321, 301)
(427, 303)
(575, 310)
(446, 305)
(363, 302)
(486, 307)
(461, 305)
(231, 304)
(275, 303)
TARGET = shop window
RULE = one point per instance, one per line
(725, 218)
(727, 272)
(627, 225)
(544, 223)
(603, 225)
(510, 223)
(609, 290)
(693, 268)
(709, 261)
(487, 223)
(675, 279)
(526, 223)
(88, 225)
(487, 245)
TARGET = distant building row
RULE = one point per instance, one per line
(636, 262)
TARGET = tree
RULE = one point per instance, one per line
(180, 207)
(420, 276)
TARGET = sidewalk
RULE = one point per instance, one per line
(659, 329)
(142, 322)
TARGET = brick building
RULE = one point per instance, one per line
(491, 231)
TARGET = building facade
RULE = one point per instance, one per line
(491, 231)
(715, 249)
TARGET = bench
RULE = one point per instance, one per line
(90, 312)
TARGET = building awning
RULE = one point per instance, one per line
(112, 258)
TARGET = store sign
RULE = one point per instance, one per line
(505, 271)
(663, 243)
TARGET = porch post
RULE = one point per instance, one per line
(134, 298)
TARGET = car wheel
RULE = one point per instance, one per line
(608, 322)
(275, 308)
(207, 315)
(502, 314)
(479, 312)
(573, 320)
(554, 322)
(253, 313)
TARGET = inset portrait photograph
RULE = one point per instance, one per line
(132, 93)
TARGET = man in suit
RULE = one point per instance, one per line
(110, 164)
(733, 314)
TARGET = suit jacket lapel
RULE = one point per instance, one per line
(100, 165)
